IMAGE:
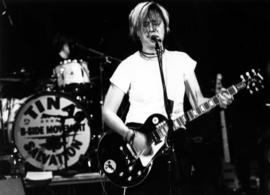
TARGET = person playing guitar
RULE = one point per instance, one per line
(139, 77)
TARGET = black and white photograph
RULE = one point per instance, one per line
(135, 97)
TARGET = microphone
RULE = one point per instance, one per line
(155, 38)
(79, 116)
(158, 42)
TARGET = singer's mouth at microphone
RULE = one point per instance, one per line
(155, 38)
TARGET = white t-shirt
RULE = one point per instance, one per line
(141, 79)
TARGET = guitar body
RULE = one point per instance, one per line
(118, 160)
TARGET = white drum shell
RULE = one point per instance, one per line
(72, 71)
(38, 131)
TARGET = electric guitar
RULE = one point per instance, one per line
(124, 167)
(229, 177)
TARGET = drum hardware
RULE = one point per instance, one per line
(104, 59)
(18, 84)
(73, 78)
(93, 51)
(10, 80)
(2, 120)
(12, 164)
(22, 75)
(18, 163)
(6, 106)
(10, 158)
(48, 84)
(79, 116)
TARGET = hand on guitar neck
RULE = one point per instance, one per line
(225, 98)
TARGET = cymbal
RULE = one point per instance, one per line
(23, 73)
(10, 80)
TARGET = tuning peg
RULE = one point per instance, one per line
(260, 76)
(254, 72)
(248, 75)
(219, 76)
(242, 78)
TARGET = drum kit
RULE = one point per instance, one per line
(52, 129)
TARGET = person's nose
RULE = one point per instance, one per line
(152, 28)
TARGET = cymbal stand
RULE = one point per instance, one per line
(9, 104)
(64, 137)
(101, 95)
(106, 59)
(66, 172)
(101, 88)
(1, 119)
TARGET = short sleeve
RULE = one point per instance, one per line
(122, 77)
(189, 65)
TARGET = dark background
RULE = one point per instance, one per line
(223, 36)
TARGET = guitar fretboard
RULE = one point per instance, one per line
(192, 114)
(205, 107)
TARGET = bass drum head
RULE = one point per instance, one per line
(51, 128)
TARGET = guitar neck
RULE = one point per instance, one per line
(205, 107)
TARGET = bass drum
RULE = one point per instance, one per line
(51, 131)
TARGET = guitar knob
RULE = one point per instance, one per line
(127, 161)
(130, 168)
(121, 174)
(139, 173)
(129, 178)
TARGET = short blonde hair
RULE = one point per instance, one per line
(140, 11)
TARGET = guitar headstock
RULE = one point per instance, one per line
(253, 81)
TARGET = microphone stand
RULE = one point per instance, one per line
(66, 172)
(168, 107)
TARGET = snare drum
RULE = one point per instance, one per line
(72, 71)
(51, 128)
